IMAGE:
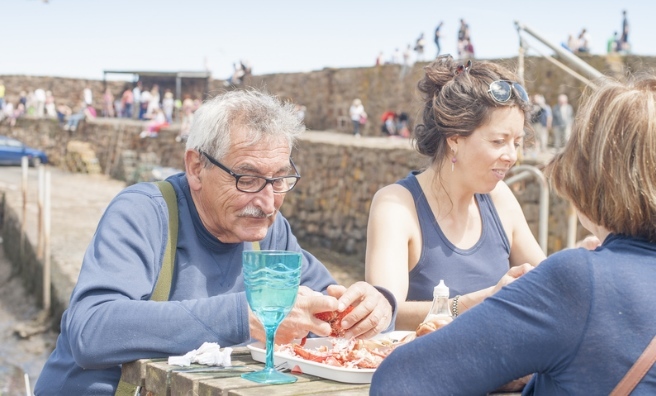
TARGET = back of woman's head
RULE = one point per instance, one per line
(457, 100)
(607, 167)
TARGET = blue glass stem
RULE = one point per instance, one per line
(270, 336)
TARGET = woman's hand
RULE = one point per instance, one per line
(590, 242)
(512, 274)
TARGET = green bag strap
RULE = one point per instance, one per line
(165, 278)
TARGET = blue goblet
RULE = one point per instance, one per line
(271, 279)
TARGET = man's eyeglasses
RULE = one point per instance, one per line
(254, 184)
(501, 91)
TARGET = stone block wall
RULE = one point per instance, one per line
(330, 205)
(328, 93)
(108, 137)
(67, 91)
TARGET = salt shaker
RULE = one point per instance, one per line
(440, 305)
(439, 314)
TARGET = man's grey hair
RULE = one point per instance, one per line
(262, 117)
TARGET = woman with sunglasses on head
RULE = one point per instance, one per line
(456, 220)
(582, 319)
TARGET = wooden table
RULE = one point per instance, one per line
(158, 378)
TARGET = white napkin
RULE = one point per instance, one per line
(209, 353)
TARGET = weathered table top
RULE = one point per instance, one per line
(158, 378)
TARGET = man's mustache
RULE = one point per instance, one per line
(252, 211)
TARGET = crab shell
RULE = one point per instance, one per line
(335, 320)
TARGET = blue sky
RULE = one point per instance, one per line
(81, 38)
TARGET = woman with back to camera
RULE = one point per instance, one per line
(456, 220)
(581, 318)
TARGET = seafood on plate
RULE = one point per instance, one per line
(343, 352)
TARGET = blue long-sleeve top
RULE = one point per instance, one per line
(579, 320)
(110, 321)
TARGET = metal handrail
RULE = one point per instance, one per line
(527, 171)
(572, 59)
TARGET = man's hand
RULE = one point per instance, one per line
(300, 320)
(372, 312)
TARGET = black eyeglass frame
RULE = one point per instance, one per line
(519, 89)
(267, 180)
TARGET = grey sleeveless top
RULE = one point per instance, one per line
(463, 271)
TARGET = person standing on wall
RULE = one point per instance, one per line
(463, 38)
(136, 107)
(541, 120)
(358, 115)
(624, 39)
(2, 94)
(563, 117)
(436, 38)
(419, 47)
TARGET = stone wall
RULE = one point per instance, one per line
(31, 266)
(330, 205)
(109, 138)
(66, 91)
(328, 93)
(328, 208)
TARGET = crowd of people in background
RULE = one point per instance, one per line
(404, 58)
(158, 109)
(576, 43)
(133, 101)
(617, 43)
(551, 125)
(37, 102)
(395, 124)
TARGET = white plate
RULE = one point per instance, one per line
(340, 374)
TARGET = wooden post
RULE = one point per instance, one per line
(520, 61)
(24, 166)
(39, 232)
(46, 261)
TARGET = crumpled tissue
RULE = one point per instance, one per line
(209, 353)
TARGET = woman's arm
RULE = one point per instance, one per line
(392, 232)
(525, 253)
(524, 248)
(534, 325)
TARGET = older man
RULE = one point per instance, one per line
(238, 169)
(563, 117)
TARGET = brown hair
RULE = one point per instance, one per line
(456, 102)
(607, 168)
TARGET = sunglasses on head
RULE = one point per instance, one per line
(463, 68)
(501, 91)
